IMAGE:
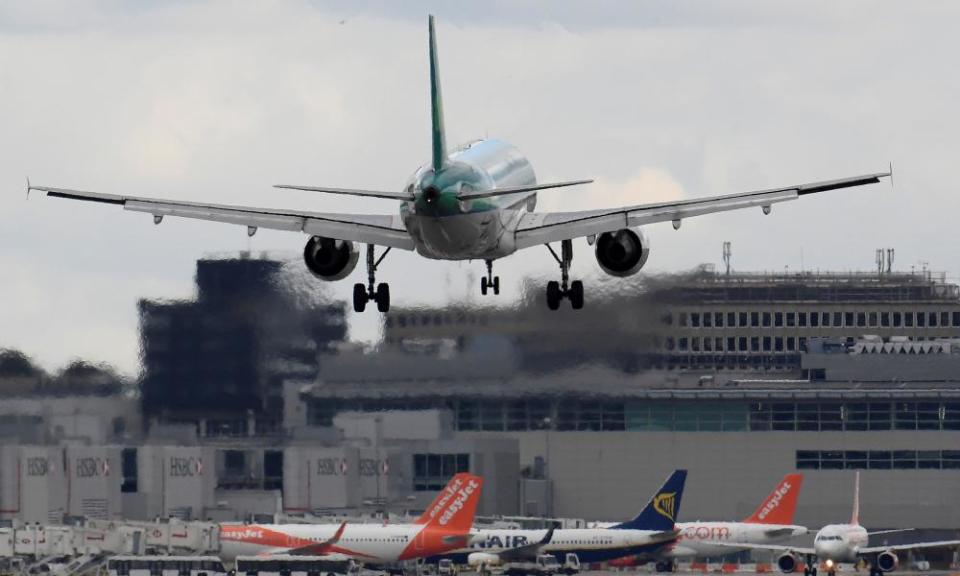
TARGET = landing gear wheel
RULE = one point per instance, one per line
(576, 294)
(553, 295)
(383, 297)
(359, 298)
(813, 571)
(489, 282)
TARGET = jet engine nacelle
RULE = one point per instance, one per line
(483, 559)
(887, 561)
(330, 259)
(787, 562)
(622, 253)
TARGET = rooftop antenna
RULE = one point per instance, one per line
(890, 253)
(727, 253)
(879, 260)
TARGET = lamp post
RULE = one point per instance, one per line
(547, 472)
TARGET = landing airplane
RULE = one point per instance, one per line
(650, 530)
(445, 525)
(836, 543)
(475, 202)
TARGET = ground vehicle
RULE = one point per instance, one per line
(292, 565)
(446, 567)
(544, 565)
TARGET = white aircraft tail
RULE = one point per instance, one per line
(855, 519)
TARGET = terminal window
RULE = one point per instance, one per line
(433, 471)
(878, 459)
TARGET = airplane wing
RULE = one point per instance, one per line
(916, 546)
(542, 228)
(528, 551)
(772, 547)
(382, 230)
(322, 548)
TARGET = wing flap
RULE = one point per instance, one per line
(382, 230)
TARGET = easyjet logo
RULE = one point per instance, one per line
(448, 493)
(242, 534)
(665, 504)
(458, 503)
(774, 500)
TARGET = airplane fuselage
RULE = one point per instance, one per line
(840, 542)
(589, 544)
(445, 228)
(705, 539)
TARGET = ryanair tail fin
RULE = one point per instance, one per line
(661, 512)
(436, 105)
(455, 506)
(781, 505)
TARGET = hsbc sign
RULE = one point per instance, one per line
(332, 467)
(38, 466)
(181, 467)
(91, 467)
(373, 467)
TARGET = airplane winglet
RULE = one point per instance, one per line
(28, 188)
(890, 172)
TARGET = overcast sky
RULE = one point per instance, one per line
(218, 100)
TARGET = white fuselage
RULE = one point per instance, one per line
(449, 229)
(840, 542)
(361, 542)
(706, 539)
(590, 544)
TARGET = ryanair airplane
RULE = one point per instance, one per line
(651, 530)
(474, 202)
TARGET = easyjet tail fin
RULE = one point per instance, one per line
(660, 513)
(456, 505)
(855, 518)
(781, 505)
(438, 137)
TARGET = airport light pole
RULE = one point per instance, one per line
(548, 426)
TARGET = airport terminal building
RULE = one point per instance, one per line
(824, 374)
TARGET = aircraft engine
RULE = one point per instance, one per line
(887, 561)
(622, 253)
(787, 562)
(483, 559)
(330, 259)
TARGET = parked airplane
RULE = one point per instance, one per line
(650, 530)
(475, 202)
(836, 543)
(445, 525)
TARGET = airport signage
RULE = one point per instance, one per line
(332, 467)
(181, 467)
(38, 466)
(92, 467)
(373, 467)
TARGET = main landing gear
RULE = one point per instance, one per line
(557, 291)
(363, 294)
(490, 282)
(810, 566)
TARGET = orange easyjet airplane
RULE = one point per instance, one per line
(444, 526)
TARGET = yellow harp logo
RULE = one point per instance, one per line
(664, 503)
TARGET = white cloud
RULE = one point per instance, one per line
(216, 101)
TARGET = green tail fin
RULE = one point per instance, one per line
(436, 106)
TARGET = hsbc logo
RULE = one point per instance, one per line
(91, 467)
(38, 466)
(373, 467)
(181, 467)
(774, 500)
(332, 467)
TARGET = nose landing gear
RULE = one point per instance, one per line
(490, 282)
(557, 291)
(379, 293)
